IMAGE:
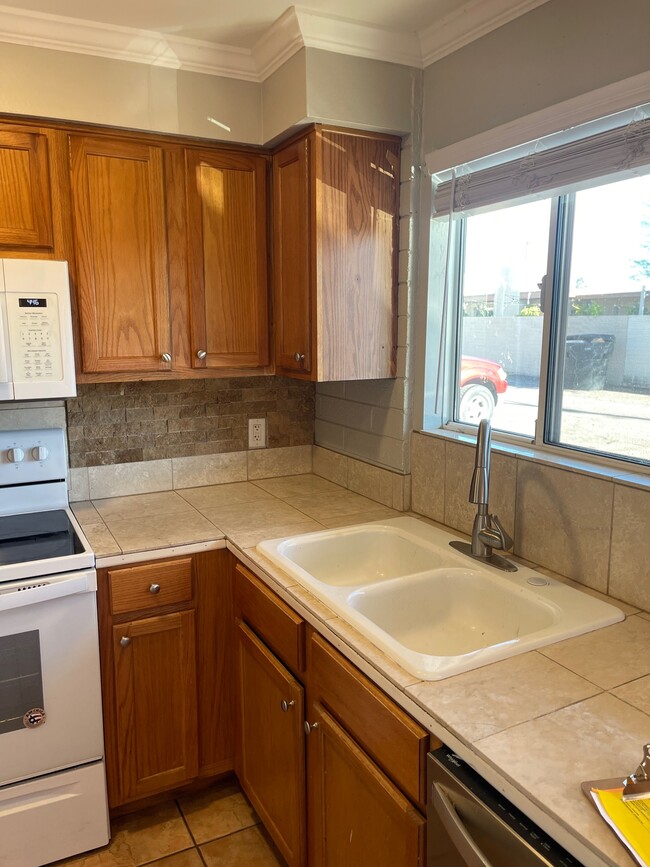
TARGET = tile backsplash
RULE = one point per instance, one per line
(125, 422)
(589, 529)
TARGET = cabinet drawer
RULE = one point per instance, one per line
(396, 742)
(280, 627)
(165, 582)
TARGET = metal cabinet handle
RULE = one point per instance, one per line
(201, 353)
(285, 705)
(299, 356)
(467, 848)
(125, 641)
(166, 356)
(155, 588)
(310, 728)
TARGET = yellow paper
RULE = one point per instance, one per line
(630, 820)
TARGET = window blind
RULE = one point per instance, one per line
(541, 167)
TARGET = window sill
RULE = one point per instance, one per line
(621, 476)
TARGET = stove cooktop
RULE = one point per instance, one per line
(37, 536)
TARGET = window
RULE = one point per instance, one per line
(540, 320)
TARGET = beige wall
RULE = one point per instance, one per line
(284, 97)
(562, 49)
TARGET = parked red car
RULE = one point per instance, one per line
(481, 383)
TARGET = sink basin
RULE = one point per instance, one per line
(432, 609)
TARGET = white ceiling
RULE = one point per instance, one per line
(250, 38)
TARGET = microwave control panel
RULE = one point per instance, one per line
(34, 330)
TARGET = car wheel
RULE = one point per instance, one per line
(476, 402)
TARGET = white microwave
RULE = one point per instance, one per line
(36, 348)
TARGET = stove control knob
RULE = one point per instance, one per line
(40, 453)
(15, 455)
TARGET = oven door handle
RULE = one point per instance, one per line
(39, 590)
(460, 837)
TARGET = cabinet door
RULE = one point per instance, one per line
(357, 816)
(271, 750)
(227, 259)
(120, 239)
(155, 703)
(25, 201)
(292, 249)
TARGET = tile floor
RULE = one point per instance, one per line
(213, 828)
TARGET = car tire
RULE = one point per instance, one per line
(476, 403)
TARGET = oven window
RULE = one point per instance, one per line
(21, 678)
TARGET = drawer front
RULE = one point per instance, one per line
(280, 627)
(394, 741)
(164, 582)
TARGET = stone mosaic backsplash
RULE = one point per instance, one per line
(124, 422)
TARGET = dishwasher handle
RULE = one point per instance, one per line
(465, 845)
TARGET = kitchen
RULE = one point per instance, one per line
(361, 430)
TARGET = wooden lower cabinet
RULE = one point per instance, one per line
(271, 751)
(357, 816)
(166, 653)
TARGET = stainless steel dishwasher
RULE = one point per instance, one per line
(470, 824)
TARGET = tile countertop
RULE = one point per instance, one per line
(535, 725)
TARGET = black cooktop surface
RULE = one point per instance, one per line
(37, 536)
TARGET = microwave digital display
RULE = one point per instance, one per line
(32, 302)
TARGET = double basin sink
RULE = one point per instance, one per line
(432, 609)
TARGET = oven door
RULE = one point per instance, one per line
(50, 693)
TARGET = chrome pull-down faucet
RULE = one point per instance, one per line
(488, 531)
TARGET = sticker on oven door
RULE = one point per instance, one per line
(34, 718)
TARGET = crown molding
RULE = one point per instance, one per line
(470, 21)
(296, 28)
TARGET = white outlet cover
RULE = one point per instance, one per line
(256, 433)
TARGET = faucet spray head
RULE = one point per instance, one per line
(479, 487)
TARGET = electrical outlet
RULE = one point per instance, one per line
(256, 433)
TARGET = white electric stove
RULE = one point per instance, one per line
(52, 782)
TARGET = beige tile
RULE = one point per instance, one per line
(189, 472)
(459, 467)
(218, 496)
(162, 531)
(378, 513)
(251, 516)
(250, 847)
(624, 607)
(330, 465)
(645, 615)
(607, 657)
(290, 461)
(370, 481)
(249, 537)
(84, 511)
(100, 539)
(324, 507)
(564, 522)
(401, 492)
(119, 480)
(428, 476)
(217, 812)
(636, 693)
(283, 579)
(628, 570)
(78, 484)
(297, 486)
(140, 838)
(164, 503)
(550, 756)
(188, 858)
(310, 602)
(502, 695)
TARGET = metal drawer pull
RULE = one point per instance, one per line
(467, 848)
(166, 356)
(310, 728)
(125, 641)
(201, 353)
(285, 705)
(155, 588)
(299, 356)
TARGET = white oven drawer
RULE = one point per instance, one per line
(49, 660)
(53, 817)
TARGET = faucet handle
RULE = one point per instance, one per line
(497, 526)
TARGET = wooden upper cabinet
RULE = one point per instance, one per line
(118, 205)
(25, 197)
(336, 212)
(292, 257)
(227, 259)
